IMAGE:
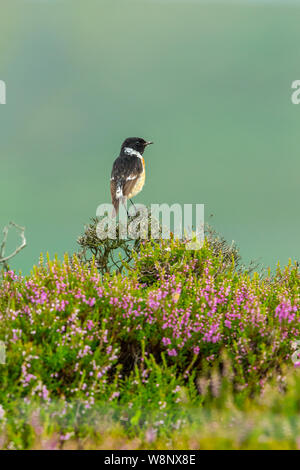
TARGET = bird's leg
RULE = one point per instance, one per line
(134, 207)
(124, 200)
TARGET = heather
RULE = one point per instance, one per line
(175, 341)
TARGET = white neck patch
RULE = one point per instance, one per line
(130, 151)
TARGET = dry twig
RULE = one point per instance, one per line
(4, 259)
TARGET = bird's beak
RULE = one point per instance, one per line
(148, 143)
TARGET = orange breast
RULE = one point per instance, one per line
(139, 183)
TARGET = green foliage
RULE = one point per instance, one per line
(182, 330)
(114, 254)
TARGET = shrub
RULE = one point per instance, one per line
(180, 327)
(113, 255)
(71, 333)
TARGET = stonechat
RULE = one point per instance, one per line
(128, 173)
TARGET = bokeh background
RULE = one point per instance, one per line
(209, 82)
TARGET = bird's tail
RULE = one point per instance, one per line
(117, 199)
(116, 207)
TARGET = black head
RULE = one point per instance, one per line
(135, 143)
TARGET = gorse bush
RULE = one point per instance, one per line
(179, 327)
(114, 254)
(109, 254)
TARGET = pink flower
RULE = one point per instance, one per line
(172, 352)
(166, 341)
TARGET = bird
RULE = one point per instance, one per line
(128, 172)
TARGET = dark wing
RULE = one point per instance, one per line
(115, 201)
(125, 172)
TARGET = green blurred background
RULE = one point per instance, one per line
(209, 82)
